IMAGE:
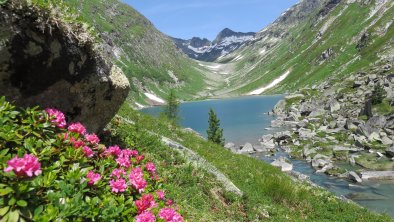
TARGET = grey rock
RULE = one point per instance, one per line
(350, 149)
(390, 151)
(377, 175)
(320, 161)
(247, 148)
(279, 107)
(306, 133)
(374, 137)
(267, 137)
(334, 106)
(229, 146)
(58, 66)
(282, 164)
(307, 152)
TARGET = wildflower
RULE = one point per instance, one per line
(169, 202)
(123, 161)
(92, 138)
(137, 179)
(88, 152)
(170, 215)
(93, 177)
(113, 150)
(151, 167)
(57, 117)
(146, 216)
(118, 173)
(146, 202)
(129, 153)
(140, 158)
(77, 143)
(118, 185)
(160, 195)
(77, 128)
(26, 166)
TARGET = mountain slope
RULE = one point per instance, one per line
(226, 42)
(148, 58)
(312, 41)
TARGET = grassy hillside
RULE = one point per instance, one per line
(149, 59)
(268, 194)
(328, 42)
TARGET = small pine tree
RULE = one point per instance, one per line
(378, 94)
(171, 109)
(215, 133)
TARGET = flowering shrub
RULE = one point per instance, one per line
(53, 171)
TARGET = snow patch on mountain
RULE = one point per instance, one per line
(154, 98)
(272, 84)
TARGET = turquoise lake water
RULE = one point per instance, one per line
(244, 120)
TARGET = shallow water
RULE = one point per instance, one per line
(244, 120)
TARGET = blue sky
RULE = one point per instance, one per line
(206, 18)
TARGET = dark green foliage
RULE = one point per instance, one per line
(215, 133)
(378, 94)
(171, 110)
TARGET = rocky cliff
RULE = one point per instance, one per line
(225, 42)
(47, 58)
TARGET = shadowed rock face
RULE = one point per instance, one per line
(56, 65)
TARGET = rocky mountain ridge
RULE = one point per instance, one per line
(225, 42)
(310, 42)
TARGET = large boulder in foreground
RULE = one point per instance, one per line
(51, 63)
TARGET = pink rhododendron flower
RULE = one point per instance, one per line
(129, 153)
(77, 143)
(118, 173)
(26, 166)
(77, 128)
(123, 161)
(140, 158)
(88, 152)
(146, 202)
(113, 150)
(93, 177)
(160, 195)
(146, 216)
(169, 202)
(92, 138)
(170, 215)
(57, 117)
(118, 185)
(150, 167)
(137, 179)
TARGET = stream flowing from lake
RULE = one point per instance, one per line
(245, 119)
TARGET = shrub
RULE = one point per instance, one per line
(378, 94)
(52, 171)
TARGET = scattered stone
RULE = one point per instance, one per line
(355, 177)
(377, 175)
(229, 146)
(282, 164)
(247, 148)
(379, 154)
(390, 151)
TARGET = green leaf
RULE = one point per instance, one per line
(13, 216)
(5, 191)
(4, 210)
(21, 203)
(38, 210)
(11, 202)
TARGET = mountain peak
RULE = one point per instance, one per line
(228, 32)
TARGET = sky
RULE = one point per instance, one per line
(206, 18)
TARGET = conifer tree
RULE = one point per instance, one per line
(215, 133)
(171, 109)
